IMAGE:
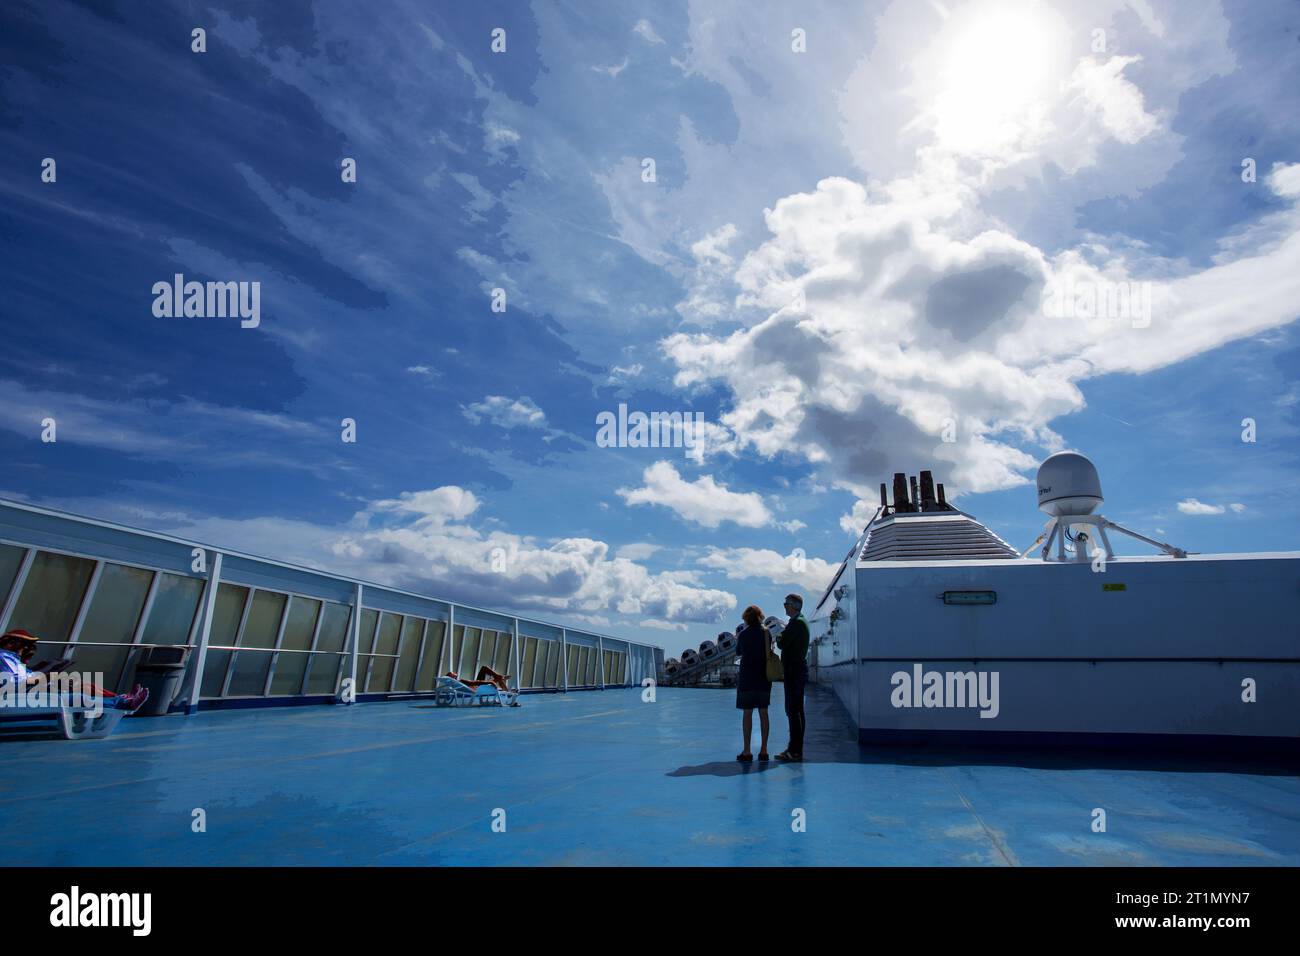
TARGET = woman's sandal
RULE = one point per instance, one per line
(744, 758)
(763, 757)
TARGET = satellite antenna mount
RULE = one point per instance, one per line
(1069, 491)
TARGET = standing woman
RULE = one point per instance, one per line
(753, 689)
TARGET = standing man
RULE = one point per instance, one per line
(794, 660)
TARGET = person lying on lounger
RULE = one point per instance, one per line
(17, 647)
(486, 675)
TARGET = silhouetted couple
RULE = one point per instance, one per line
(754, 685)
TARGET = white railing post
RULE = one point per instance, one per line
(514, 649)
(356, 641)
(205, 630)
(448, 641)
(564, 657)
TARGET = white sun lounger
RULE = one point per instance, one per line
(75, 723)
(451, 692)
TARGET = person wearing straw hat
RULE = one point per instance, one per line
(17, 647)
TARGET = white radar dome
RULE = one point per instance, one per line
(1068, 484)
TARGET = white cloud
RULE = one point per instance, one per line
(1114, 102)
(645, 31)
(156, 430)
(424, 541)
(611, 71)
(624, 373)
(703, 501)
(437, 506)
(497, 138)
(863, 511)
(506, 412)
(1284, 179)
(711, 294)
(638, 551)
(811, 574)
(1148, 17)
(481, 200)
(657, 625)
(1191, 506)
(1006, 89)
(894, 310)
(435, 39)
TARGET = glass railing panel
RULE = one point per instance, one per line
(171, 617)
(249, 670)
(412, 633)
(290, 665)
(527, 661)
(11, 559)
(324, 667)
(112, 619)
(51, 597)
(226, 615)
(381, 667)
(503, 660)
(430, 666)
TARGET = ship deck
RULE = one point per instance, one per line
(603, 778)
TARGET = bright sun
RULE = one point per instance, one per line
(998, 70)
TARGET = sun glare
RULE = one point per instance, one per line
(999, 67)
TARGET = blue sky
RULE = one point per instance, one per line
(843, 249)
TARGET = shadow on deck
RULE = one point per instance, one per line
(832, 737)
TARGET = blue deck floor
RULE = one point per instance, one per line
(603, 778)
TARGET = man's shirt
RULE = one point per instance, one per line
(794, 642)
(12, 666)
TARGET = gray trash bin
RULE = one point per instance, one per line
(161, 672)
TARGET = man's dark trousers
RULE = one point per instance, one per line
(796, 678)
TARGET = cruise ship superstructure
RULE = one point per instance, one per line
(935, 629)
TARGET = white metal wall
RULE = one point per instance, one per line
(101, 544)
(1075, 653)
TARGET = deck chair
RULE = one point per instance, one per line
(509, 695)
(492, 695)
(74, 723)
(452, 691)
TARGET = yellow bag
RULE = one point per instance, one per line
(775, 670)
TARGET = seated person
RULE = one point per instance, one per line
(17, 647)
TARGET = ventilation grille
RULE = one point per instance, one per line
(933, 538)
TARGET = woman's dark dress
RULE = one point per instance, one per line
(753, 689)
